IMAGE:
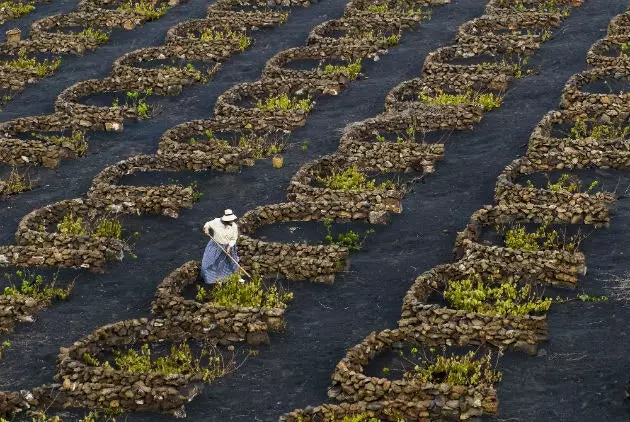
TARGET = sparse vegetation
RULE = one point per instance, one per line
(103, 228)
(97, 35)
(581, 129)
(42, 68)
(72, 226)
(350, 71)
(284, 103)
(227, 34)
(133, 99)
(468, 369)
(350, 239)
(75, 142)
(353, 179)
(209, 363)
(399, 6)
(107, 228)
(145, 8)
(488, 101)
(15, 183)
(492, 296)
(543, 238)
(516, 69)
(390, 40)
(25, 283)
(17, 9)
(232, 293)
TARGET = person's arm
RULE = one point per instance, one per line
(207, 228)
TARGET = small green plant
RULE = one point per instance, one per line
(76, 141)
(97, 35)
(284, 103)
(390, 40)
(624, 48)
(349, 239)
(107, 228)
(399, 6)
(588, 298)
(39, 416)
(17, 9)
(353, 179)
(516, 69)
(227, 34)
(492, 297)
(5, 345)
(304, 146)
(232, 293)
(549, 6)
(546, 35)
(42, 68)
(570, 184)
(24, 283)
(259, 146)
(350, 71)
(488, 101)
(361, 417)
(15, 183)
(196, 193)
(146, 8)
(467, 370)
(133, 99)
(72, 226)
(581, 129)
(542, 238)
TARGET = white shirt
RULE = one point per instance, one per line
(222, 233)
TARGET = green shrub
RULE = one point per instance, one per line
(190, 71)
(227, 34)
(517, 69)
(581, 130)
(209, 364)
(71, 226)
(42, 68)
(353, 179)
(145, 8)
(134, 100)
(390, 40)
(24, 283)
(4, 346)
(97, 35)
(16, 182)
(17, 9)
(566, 183)
(400, 6)
(466, 370)
(284, 103)
(487, 101)
(492, 297)
(549, 6)
(361, 417)
(543, 238)
(232, 293)
(107, 228)
(349, 239)
(350, 71)
(259, 146)
(76, 142)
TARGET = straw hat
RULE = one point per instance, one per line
(228, 215)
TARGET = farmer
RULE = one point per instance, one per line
(220, 259)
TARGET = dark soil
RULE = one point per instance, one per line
(581, 372)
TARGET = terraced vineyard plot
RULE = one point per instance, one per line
(338, 187)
